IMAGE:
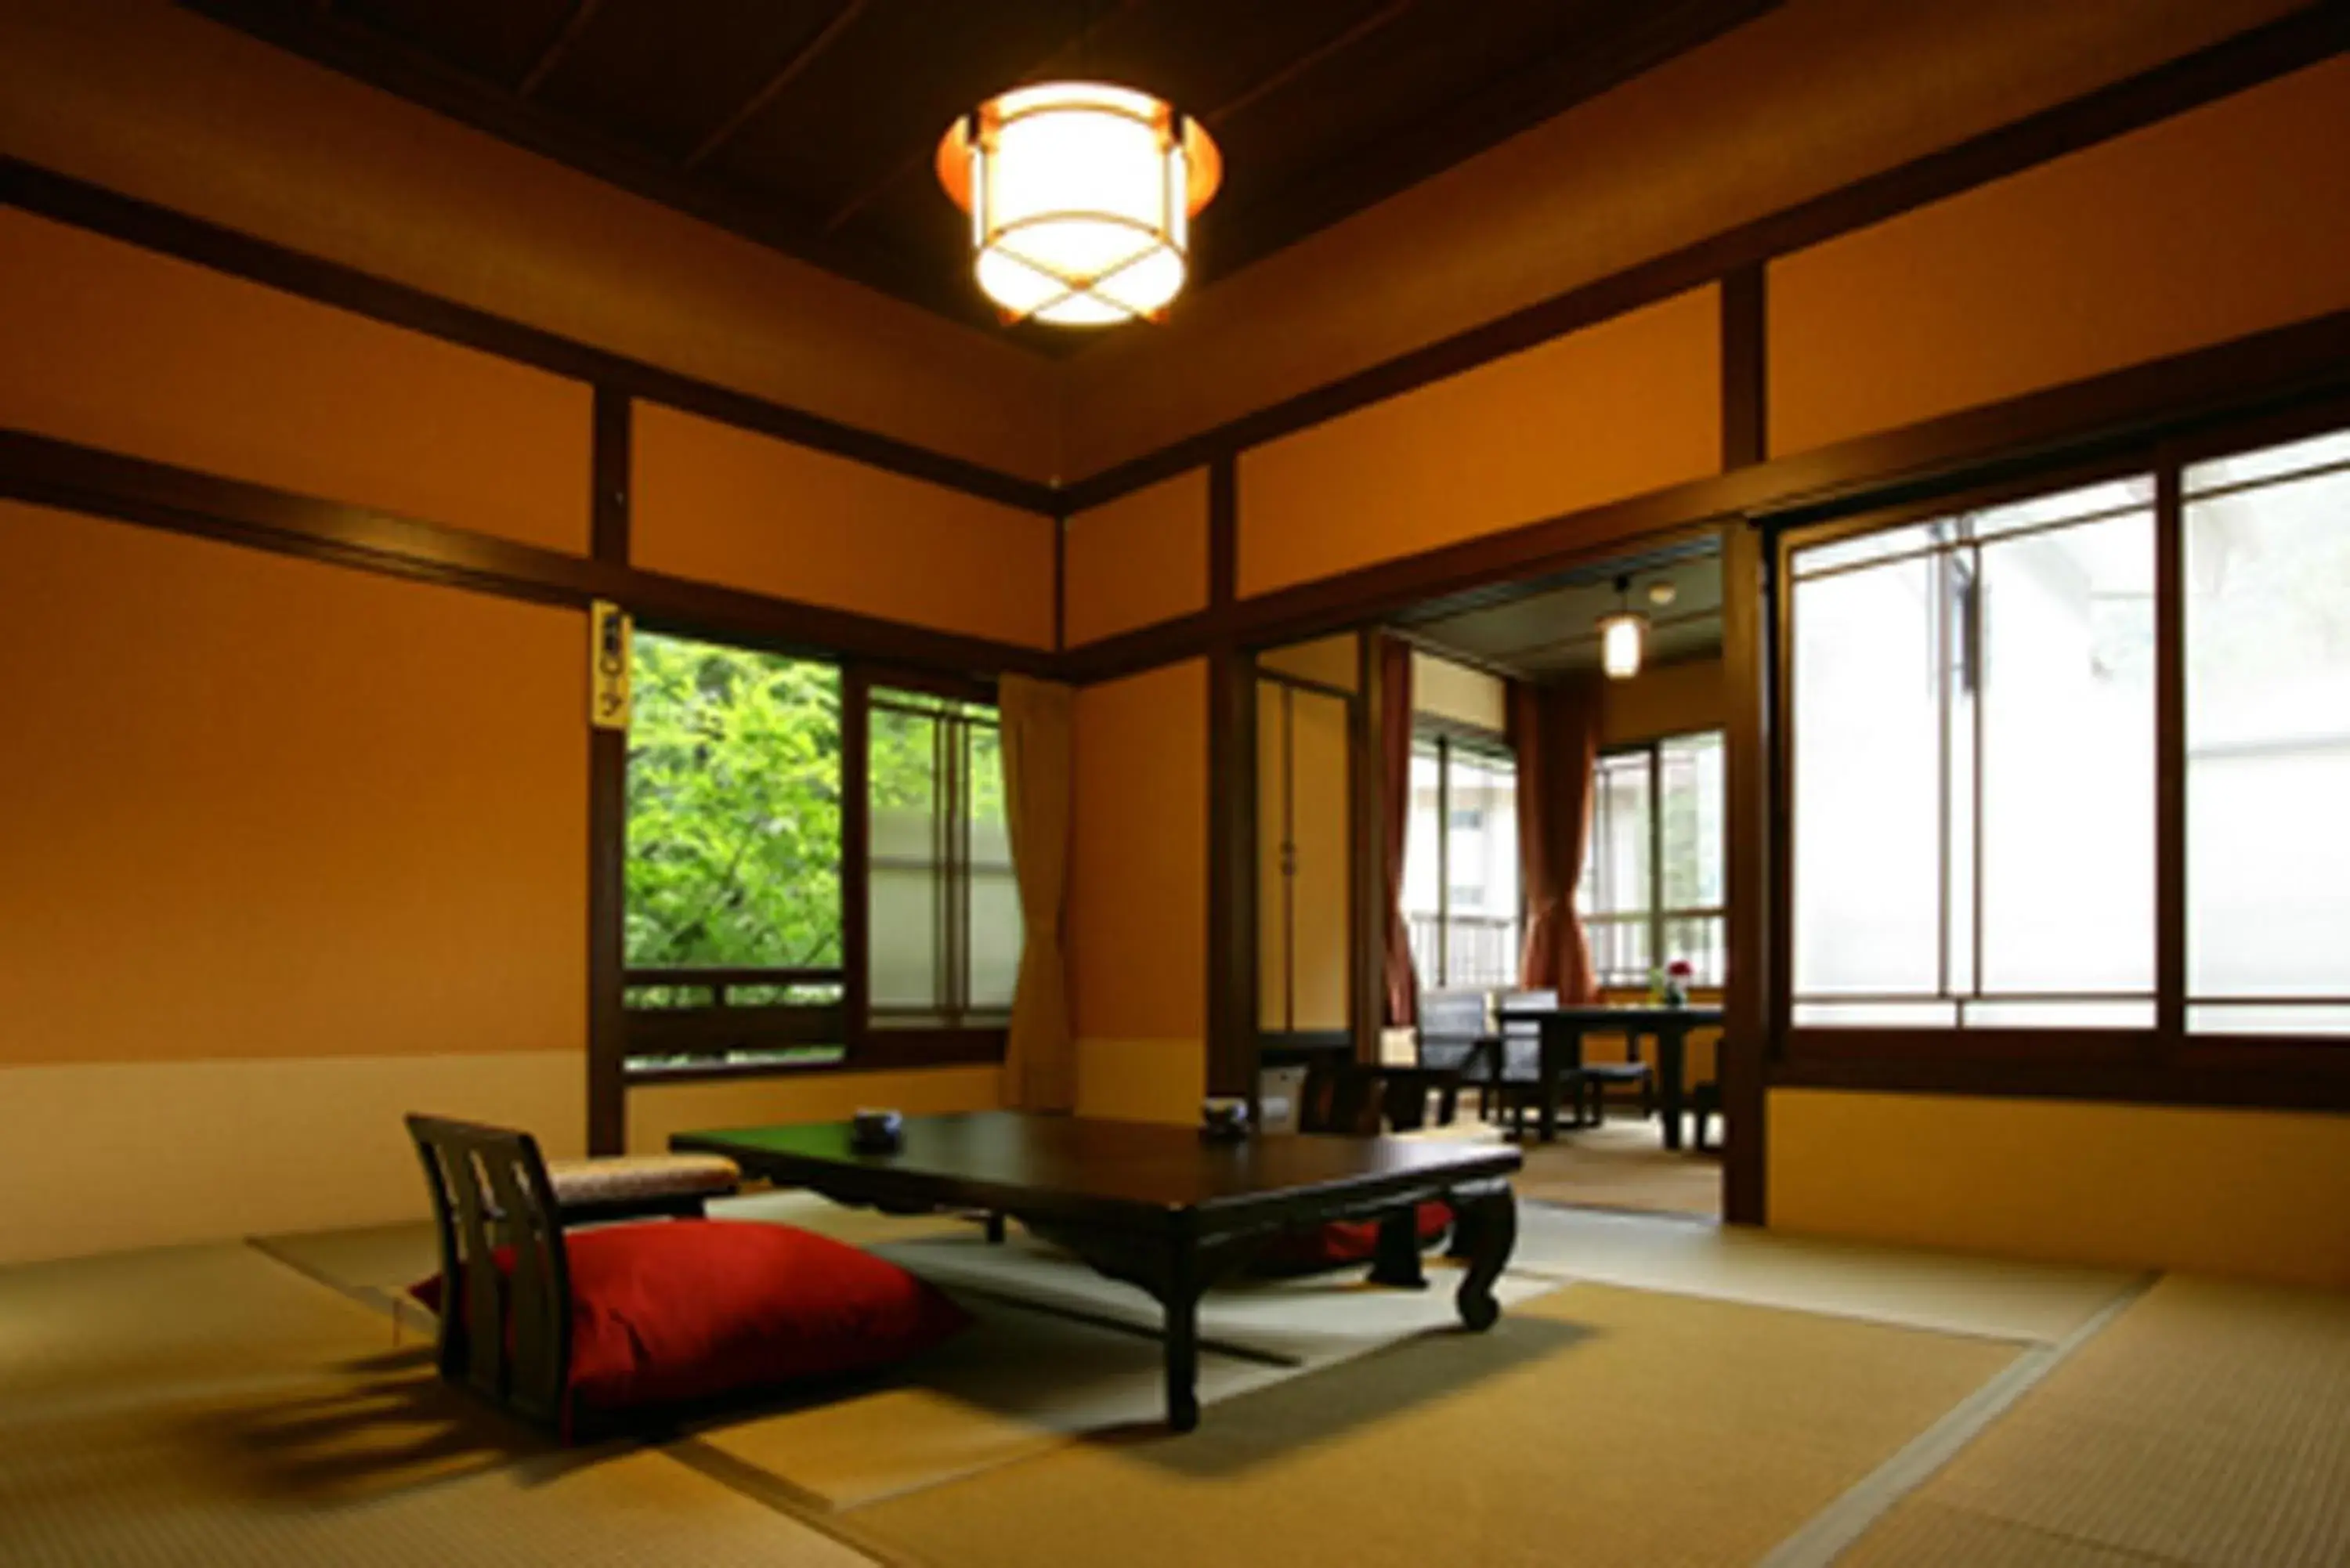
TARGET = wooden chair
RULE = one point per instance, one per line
(505, 1332)
(1452, 1036)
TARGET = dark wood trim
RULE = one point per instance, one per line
(2169, 757)
(1745, 381)
(608, 788)
(2303, 37)
(2237, 1086)
(1365, 844)
(1743, 1057)
(1223, 534)
(2084, 423)
(49, 472)
(69, 200)
(1233, 999)
(857, 681)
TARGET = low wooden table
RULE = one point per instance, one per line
(1563, 1029)
(1158, 1207)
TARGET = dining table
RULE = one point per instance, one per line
(1563, 1029)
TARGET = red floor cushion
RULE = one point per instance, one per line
(1342, 1243)
(671, 1312)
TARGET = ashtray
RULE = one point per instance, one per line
(1223, 1120)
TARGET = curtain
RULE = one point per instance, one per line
(1557, 735)
(1394, 801)
(1040, 1069)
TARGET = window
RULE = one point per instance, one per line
(1652, 881)
(1460, 863)
(2266, 591)
(1974, 768)
(741, 807)
(945, 909)
(732, 922)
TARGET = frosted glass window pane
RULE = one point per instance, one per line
(2307, 1018)
(2269, 463)
(1867, 782)
(1876, 1014)
(2067, 765)
(995, 940)
(1420, 856)
(1691, 786)
(2060, 1014)
(1862, 548)
(1619, 837)
(1484, 849)
(2090, 500)
(2268, 741)
(905, 956)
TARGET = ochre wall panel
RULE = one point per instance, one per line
(2219, 223)
(1327, 660)
(149, 98)
(657, 1110)
(728, 505)
(1807, 97)
(116, 347)
(2264, 1195)
(1663, 700)
(102, 1156)
(1443, 690)
(1137, 914)
(1318, 968)
(260, 807)
(1631, 405)
(1140, 560)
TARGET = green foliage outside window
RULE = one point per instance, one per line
(734, 802)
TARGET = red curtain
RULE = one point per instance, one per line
(1556, 729)
(1395, 800)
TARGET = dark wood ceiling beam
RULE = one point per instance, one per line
(772, 88)
(921, 156)
(582, 12)
(1283, 75)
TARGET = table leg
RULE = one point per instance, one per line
(1181, 1301)
(1397, 1261)
(995, 1228)
(1488, 1217)
(1671, 1039)
(1549, 1068)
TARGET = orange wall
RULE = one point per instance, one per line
(290, 851)
(2208, 226)
(728, 505)
(2260, 1194)
(1137, 912)
(1663, 700)
(151, 100)
(1141, 559)
(1303, 810)
(1629, 405)
(261, 808)
(1809, 96)
(164, 359)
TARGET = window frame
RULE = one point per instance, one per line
(720, 1025)
(2162, 1064)
(1656, 917)
(1448, 735)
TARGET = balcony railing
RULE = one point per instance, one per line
(1467, 951)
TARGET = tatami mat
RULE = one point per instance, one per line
(1596, 1425)
(2209, 1425)
(1942, 1291)
(208, 1405)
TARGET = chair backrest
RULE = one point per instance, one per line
(506, 1332)
(1521, 1037)
(1450, 1024)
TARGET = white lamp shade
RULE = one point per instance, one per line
(1080, 197)
(1620, 639)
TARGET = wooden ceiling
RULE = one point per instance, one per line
(1543, 629)
(809, 125)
